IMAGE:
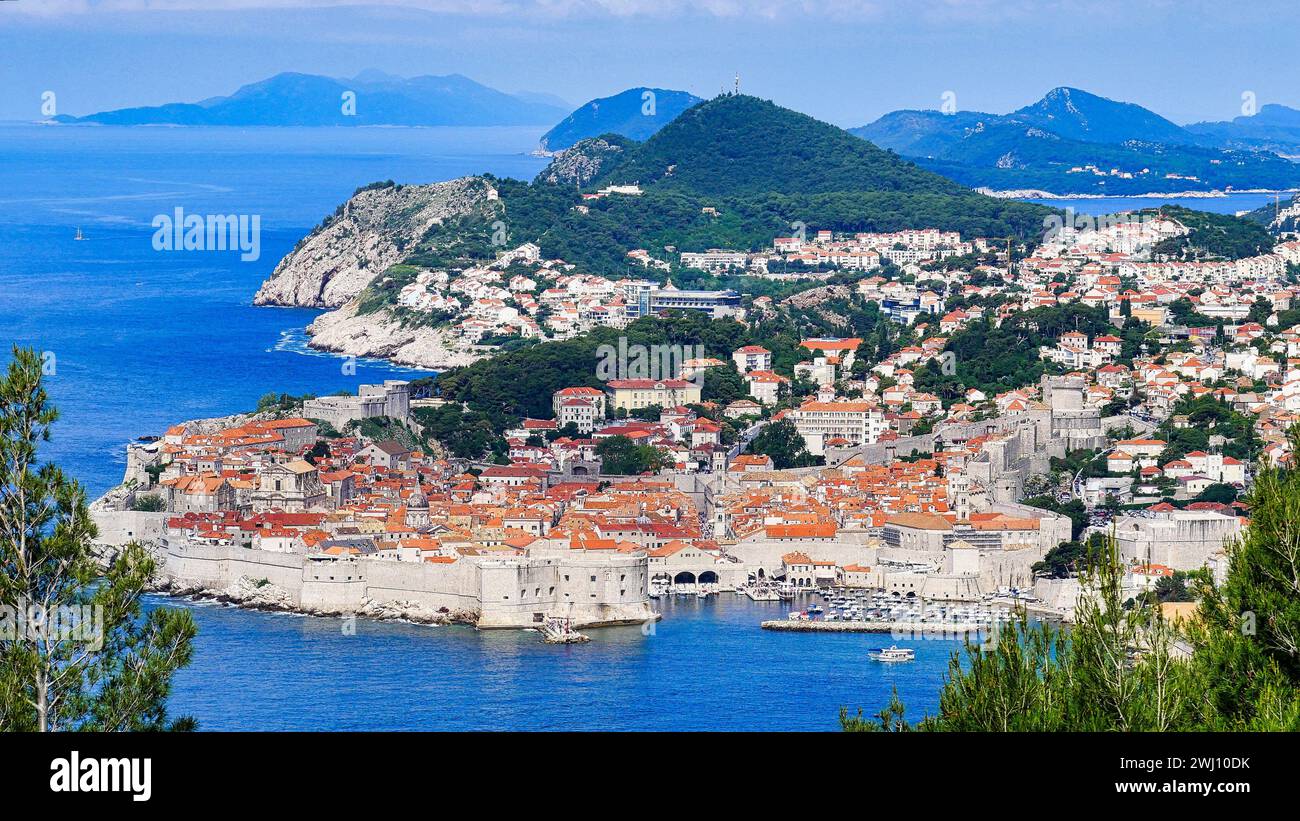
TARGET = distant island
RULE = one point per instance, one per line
(370, 98)
(1074, 142)
(636, 113)
(1273, 128)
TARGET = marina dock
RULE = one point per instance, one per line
(917, 627)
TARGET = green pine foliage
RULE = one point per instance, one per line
(620, 456)
(728, 146)
(1113, 670)
(1206, 417)
(781, 441)
(115, 675)
(1247, 660)
(998, 359)
(1213, 236)
(517, 384)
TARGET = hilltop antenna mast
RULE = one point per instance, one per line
(738, 83)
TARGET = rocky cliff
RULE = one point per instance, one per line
(582, 163)
(382, 336)
(368, 233)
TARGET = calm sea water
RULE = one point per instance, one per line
(1229, 204)
(142, 338)
(707, 666)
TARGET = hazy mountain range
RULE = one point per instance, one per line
(370, 98)
(1072, 141)
(1068, 142)
(1273, 128)
(636, 113)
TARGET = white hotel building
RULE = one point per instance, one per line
(860, 423)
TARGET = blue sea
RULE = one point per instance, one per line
(706, 666)
(1228, 204)
(139, 339)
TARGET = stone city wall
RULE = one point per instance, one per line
(507, 593)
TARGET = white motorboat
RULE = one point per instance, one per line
(893, 653)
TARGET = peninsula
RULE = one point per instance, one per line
(664, 388)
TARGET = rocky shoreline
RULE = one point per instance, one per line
(250, 594)
(373, 230)
(380, 336)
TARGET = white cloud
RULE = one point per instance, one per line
(1086, 13)
(571, 9)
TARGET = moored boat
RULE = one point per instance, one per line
(892, 653)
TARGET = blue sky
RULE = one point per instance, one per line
(845, 61)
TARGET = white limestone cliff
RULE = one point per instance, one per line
(373, 230)
(380, 336)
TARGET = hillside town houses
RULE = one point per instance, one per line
(905, 489)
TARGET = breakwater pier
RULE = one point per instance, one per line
(893, 627)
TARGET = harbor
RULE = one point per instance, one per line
(841, 604)
(459, 678)
(846, 610)
(891, 627)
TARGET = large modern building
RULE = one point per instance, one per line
(645, 298)
(714, 260)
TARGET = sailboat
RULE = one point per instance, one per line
(80, 236)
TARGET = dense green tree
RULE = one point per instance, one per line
(1208, 416)
(149, 503)
(760, 167)
(620, 456)
(320, 450)
(650, 413)
(1247, 639)
(1213, 235)
(1218, 493)
(569, 431)
(89, 660)
(281, 403)
(1068, 558)
(782, 442)
(1173, 587)
(466, 434)
(996, 359)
